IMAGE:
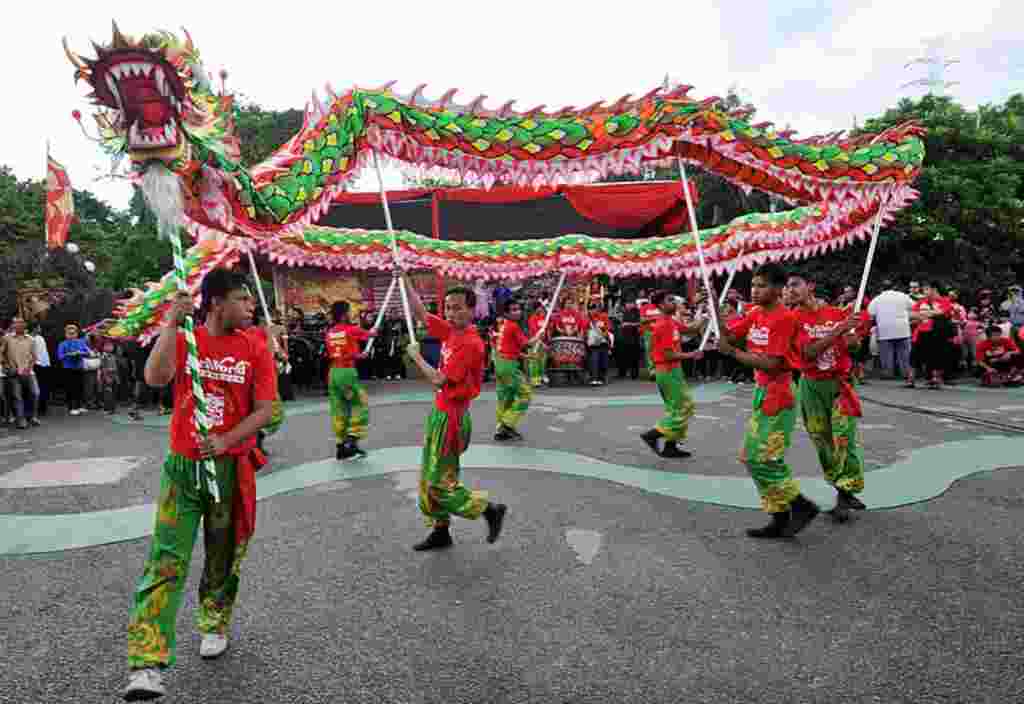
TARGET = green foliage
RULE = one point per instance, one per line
(261, 131)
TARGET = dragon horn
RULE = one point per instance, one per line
(119, 41)
(189, 46)
(76, 60)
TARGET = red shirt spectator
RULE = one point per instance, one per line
(990, 351)
(570, 323)
(936, 304)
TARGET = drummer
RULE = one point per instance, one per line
(569, 320)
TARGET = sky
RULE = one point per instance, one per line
(811, 65)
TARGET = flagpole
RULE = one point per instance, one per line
(46, 189)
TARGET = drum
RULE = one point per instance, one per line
(567, 352)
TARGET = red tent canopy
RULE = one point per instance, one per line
(631, 209)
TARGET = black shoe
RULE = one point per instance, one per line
(651, 438)
(504, 434)
(516, 435)
(802, 512)
(354, 449)
(840, 514)
(343, 451)
(439, 538)
(850, 501)
(672, 450)
(495, 515)
(778, 528)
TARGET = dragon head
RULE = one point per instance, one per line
(156, 102)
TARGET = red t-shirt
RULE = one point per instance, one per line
(769, 333)
(343, 344)
(940, 305)
(988, 350)
(602, 321)
(535, 322)
(649, 313)
(666, 336)
(813, 325)
(462, 362)
(570, 323)
(511, 340)
(236, 370)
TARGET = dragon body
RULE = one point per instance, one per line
(157, 105)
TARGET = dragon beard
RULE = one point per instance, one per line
(162, 190)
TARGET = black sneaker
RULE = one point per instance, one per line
(515, 434)
(343, 451)
(354, 449)
(495, 515)
(672, 450)
(802, 512)
(778, 528)
(651, 438)
(439, 538)
(504, 434)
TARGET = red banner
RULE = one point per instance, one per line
(60, 204)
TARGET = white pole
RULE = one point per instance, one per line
(696, 239)
(394, 247)
(551, 308)
(380, 314)
(259, 287)
(721, 302)
(871, 257)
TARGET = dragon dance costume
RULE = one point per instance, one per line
(675, 392)
(449, 427)
(350, 408)
(236, 372)
(828, 402)
(514, 391)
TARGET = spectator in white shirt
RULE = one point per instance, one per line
(891, 311)
(42, 370)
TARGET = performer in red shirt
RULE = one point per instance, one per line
(667, 351)
(449, 425)
(828, 402)
(350, 405)
(998, 356)
(933, 338)
(237, 374)
(770, 331)
(514, 391)
(649, 312)
(570, 321)
(537, 357)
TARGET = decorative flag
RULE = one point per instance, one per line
(60, 204)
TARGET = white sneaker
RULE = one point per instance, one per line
(213, 645)
(144, 685)
(75, 412)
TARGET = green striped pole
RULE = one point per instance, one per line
(209, 469)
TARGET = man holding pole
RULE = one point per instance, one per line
(239, 385)
(667, 354)
(350, 406)
(769, 330)
(828, 402)
(514, 390)
(449, 425)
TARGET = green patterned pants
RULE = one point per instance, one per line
(835, 435)
(442, 493)
(764, 454)
(514, 392)
(537, 366)
(350, 406)
(679, 405)
(158, 593)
